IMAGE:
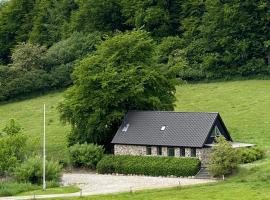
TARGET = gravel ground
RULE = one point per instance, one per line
(102, 184)
(92, 184)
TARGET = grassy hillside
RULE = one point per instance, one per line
(29, 114)
(243, 105)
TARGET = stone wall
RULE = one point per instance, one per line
(129, 150)
(201, 153)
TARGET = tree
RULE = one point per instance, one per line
(227, 38)
(103, 16)
(223, 158)
(27, 56)
(122, 75)
(15, 22)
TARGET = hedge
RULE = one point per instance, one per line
(146, 165)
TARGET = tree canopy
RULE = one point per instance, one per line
(121, 75)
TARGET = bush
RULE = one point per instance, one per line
(247, 155)
(10, 188)
(12, 152)
(31, 171)
(153, 166)
(223, 159)
(85, 155)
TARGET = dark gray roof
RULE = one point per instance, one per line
(187, 129)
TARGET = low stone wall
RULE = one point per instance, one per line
(201, 153)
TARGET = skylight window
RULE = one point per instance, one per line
(125, 128)
(163, 128)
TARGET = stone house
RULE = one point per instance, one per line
(164, 133)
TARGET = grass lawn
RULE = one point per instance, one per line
(57, 190)
(29, 113)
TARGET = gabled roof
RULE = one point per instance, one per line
(187, 129)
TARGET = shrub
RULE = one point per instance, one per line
(223, 159)
(12, 151)
(247, 155)
(85, 155)
(31, 171)
(153, 166)
(9, 188)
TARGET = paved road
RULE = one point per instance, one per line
(93, 184)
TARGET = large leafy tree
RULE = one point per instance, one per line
(122, 75)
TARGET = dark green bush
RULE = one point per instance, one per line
(247, 155)
(31, 171)
(85, 155)
(146, 165)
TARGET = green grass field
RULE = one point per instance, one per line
(243, 105)
(29, 114)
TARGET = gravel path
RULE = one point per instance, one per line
(93, 184)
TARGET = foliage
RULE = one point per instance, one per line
(12, 128)
(31, 171)
(11, 188)
(12, 152)
(71, 49)
(223, 159)
(247, 155)
(27, 56)
(146, 165)
(85, 155)
(122, 75)
(223, 39)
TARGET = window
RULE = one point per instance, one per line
(125, 128)
(182, 152)
(193, 152)
(215, 132)
(148, 150)
(170, 151)
(159, 151)
(163, 128)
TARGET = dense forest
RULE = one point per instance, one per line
(40, 40)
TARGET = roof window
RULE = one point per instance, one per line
(125, 128)
(163, 128)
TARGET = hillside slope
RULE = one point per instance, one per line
(29, 114)
(243, 105)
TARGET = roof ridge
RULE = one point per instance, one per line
(173, 111)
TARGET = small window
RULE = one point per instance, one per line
(193, 152)
(182, 152)
(125, 128)
(170, 151)
(148, 150)
(159, 151)
(215, 132)
(163, 128)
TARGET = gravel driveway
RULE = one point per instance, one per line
(102, 184)
(92, 184)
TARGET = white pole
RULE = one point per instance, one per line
(44, 152)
